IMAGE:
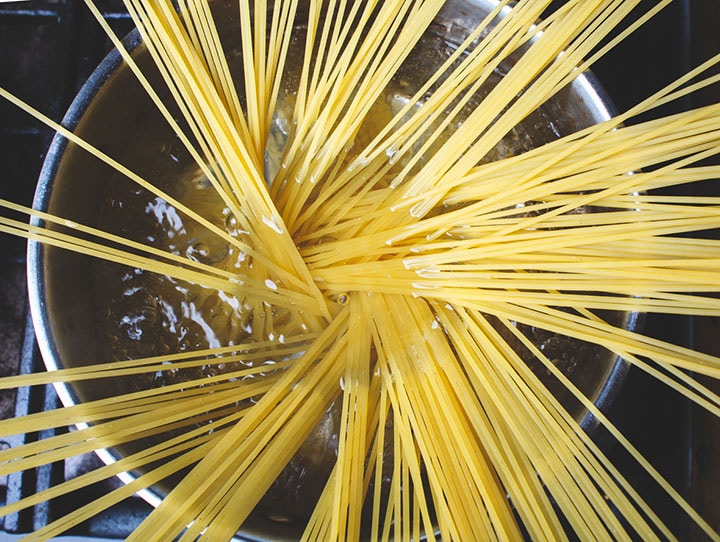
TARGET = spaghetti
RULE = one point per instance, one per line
(386, 273)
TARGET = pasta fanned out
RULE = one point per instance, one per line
(411, 269)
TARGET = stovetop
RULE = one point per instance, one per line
(47, 50)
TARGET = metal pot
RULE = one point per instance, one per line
(113, 112)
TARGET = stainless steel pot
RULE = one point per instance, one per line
(112, 112)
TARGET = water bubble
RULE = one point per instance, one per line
(359, 162)
(208, 252)
(392, 153)
(191, 312)
(198, 252)
(132, 325)
(271, 284)
(166, 216)
(200, 182)
(231, 223)
(268, 363)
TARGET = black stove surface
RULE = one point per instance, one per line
(47, 50)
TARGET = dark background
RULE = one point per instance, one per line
(47, 50)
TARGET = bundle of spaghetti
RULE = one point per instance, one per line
(482, 246)
(577, 394)
(410, 123)
(676, 379)
(181, 456)
(494, 239)
(579, 141)
(605, 178)
(495, 431)
(200, 26)
(433, 258)
(192, 88)
(356, 416)
(513, 328)
(654, 292)
(525, 241)
(160, 452)
(680, 137)
(131, 421)
(460, 474)
(518, 476)
(226, 485)
(513, 377)
(543, 64)
(117, 249)
(402, 522)
(345, 518)
(75, 517)
(556, 480)
(339, 513)
(353, 75)
(167, 115)
(239, 179)
(153, 365)
(615, 339)
(101, 410)
(203, 403)
(602, 170)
